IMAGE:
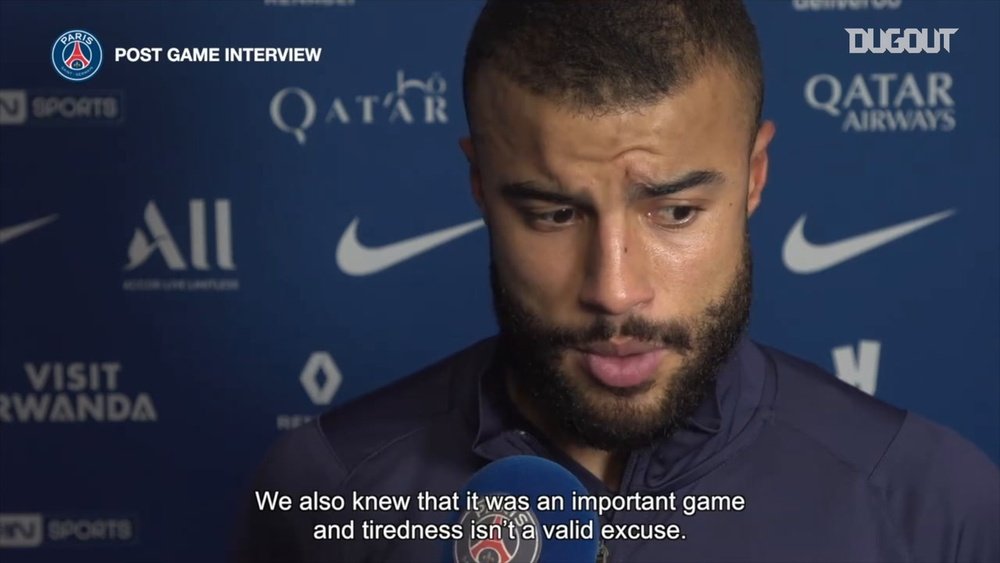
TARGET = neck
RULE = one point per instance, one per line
(607, 466)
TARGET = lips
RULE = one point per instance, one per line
(622, 364)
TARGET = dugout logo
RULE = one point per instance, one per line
(499, 545)
(885, 102)
(895, 41)
(77, 55)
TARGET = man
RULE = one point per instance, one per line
(616, 153)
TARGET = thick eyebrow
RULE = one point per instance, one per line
(516, 191)
(532, 191)
(690, 180)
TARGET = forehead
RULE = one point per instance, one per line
(704, 122)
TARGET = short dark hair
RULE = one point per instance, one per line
(603, 55)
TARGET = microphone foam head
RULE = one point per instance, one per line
(509, 492)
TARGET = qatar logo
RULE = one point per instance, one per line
(492, 536)
(77, 55)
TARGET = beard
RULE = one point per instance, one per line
(589, 413)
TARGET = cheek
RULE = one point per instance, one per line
(681, 272)
(690, 270)
(541, 269)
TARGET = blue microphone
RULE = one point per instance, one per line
(494, 530)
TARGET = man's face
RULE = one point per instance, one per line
(621, 265)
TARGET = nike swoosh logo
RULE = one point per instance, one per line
(356, 259)
(804, 257)
(14, 231)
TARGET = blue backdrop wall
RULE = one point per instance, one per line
(177, 281)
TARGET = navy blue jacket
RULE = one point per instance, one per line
(828, 473)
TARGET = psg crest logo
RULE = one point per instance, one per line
(496, 544)
(77, 55)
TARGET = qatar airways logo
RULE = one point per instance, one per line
(895, 40)
(885, 101)
(294, 110)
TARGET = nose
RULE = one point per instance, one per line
(616, 274)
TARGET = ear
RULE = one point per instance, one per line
(758, 165)
(475, 180)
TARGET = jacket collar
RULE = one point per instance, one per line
(693, 449)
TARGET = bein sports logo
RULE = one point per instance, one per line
(13, 107)
(23, 107)
(20, 530)
(894, 40)
(77, 55)
(25, 530)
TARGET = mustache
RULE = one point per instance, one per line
(670, 334)
(529, 331)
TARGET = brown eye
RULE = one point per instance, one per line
(559, 217)
(562, 216)
(676, 215)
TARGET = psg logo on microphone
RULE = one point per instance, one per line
(496, 536)
(77, 55)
